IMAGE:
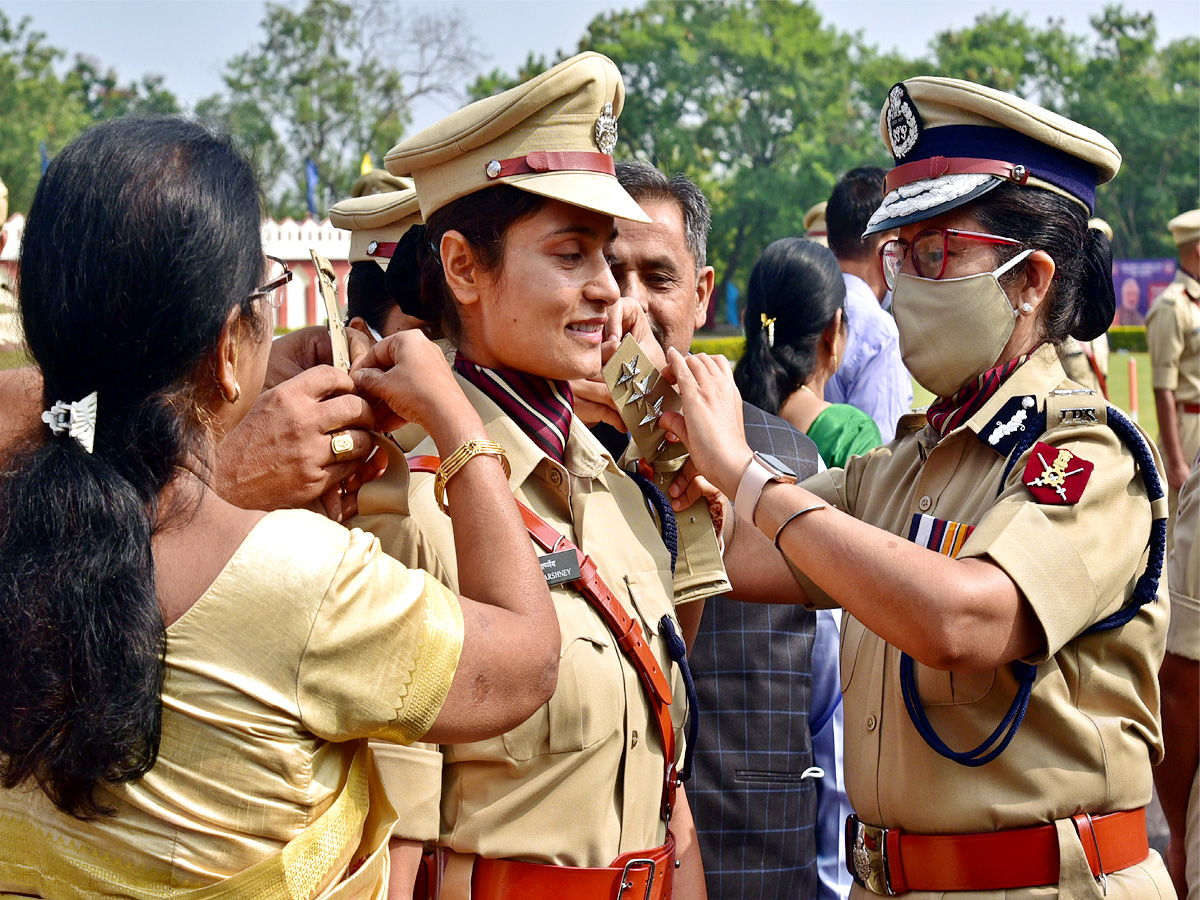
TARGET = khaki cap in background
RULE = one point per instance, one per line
(553, 136)
(1185, 227)
(376, 223)
(379, 181)
(954, 141)
(814, 224)
(1101, 226)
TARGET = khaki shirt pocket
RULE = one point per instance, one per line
(587, 705)
(852, 636)
(936, 687)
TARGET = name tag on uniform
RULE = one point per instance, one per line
(561, 567)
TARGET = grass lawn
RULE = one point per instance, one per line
(11, 359)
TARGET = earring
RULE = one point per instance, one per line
(237, 343)
(1026, 309)
(835, 361)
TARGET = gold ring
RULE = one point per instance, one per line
(342, 445)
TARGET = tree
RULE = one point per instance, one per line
(1142, 99)
(330, 82)
(36, 107)
(104, 97)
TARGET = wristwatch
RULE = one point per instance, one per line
(762, 469)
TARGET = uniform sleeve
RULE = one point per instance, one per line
(1071, 561)
(1183, 572)
(831, 486)
(1164, 336)
(382, 650)
(412, 777)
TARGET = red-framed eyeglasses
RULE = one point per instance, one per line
(930, 250)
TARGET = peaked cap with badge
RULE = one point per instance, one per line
(1185, 227)
(379, 181)
(376, 223)
(954, 141)
(553, 135)
(815, 228)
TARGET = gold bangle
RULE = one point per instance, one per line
(788, 521)
(451, 464)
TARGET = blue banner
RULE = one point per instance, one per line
(311, 176)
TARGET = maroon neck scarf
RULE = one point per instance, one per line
(543, 408)
(948, 413)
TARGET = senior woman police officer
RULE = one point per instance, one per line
(1004, 616)
(519, 197)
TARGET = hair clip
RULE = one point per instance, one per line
(768, 324)
(77, 419)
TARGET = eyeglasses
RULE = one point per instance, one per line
(930, 250)
(272, 291)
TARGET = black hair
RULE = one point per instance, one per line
(1081, 300)
(799, 284)
(367, 296)
(644, 183)
(142, 236)
(483, 218)
(855, 197)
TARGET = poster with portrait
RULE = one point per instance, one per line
(1137, 283)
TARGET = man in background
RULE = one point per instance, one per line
(757, 667)
(872, 376)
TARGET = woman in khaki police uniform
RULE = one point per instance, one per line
(996, 742)
(521, 206)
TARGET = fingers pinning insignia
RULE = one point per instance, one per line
(1056, 475)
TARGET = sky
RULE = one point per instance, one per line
(188, 41)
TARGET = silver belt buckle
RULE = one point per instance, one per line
(866, 856)
(627, 884)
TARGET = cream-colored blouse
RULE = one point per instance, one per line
(309, 641)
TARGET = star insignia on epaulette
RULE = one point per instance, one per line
(629, 371)
(652, 412)
(640, 390)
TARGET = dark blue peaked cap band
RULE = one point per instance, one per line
(1070, 173)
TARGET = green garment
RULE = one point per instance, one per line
(842, 431)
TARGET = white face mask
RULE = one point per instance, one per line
(953, 329)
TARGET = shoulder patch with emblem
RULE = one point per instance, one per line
(1006, 427)
(1056, 475)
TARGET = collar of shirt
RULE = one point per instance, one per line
(1040, 374)
(584, 457)
(542, 408)
(1190, 285)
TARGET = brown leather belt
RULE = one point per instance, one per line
(640, 875)
(1193, 408)
(889, 862)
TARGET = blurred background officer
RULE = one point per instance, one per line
(1177, 779)
(1086, 362)
(1173, 335)
(377, 222)
(871, 376)
(815, 228)
(379, 181)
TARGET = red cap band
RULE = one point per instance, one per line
(936, 166)
(551, 161)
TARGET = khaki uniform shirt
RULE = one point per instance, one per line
(1173, 335)
(1077, 358)
(1183, 572)
(1091, 730)
(580, 782)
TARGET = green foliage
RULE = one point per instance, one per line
(731, 346)
(104, 97)
(329, 83)
(765, 106)
(1128, 338)
(36, 106)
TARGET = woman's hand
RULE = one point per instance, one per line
(710, 425)
(407, 376)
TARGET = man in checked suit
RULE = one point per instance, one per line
(755, 798)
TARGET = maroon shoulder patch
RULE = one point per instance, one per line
(1055, 475)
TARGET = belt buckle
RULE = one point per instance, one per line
(866, 847)
(626, 883)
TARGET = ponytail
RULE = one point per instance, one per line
(142, 237)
